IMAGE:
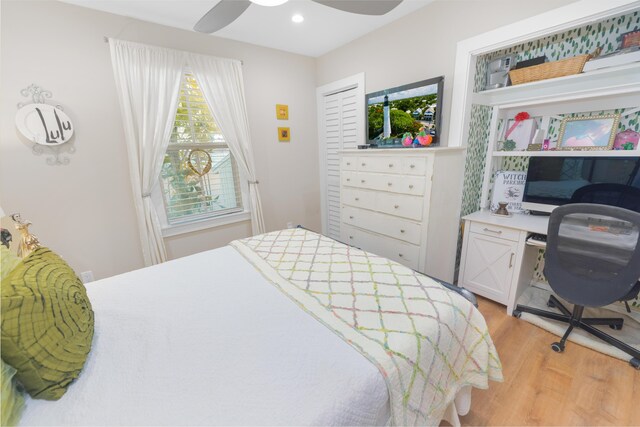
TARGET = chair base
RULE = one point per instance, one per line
(575, 320)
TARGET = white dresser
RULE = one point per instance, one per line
(403, 204)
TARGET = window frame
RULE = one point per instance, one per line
(203, 221)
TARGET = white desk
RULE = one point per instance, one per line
(496, 260)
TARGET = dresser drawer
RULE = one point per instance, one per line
(402, 252)
(414, 166)
(494, 231)
(400, 205)
(383, 224)
(348, 178)
(383, 164)
(349, 163)
(386, 182)
(361, 198)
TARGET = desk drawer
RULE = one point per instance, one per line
(402, 252)
(383, 164)
(495, 231)
(397, 228)
(400, 205)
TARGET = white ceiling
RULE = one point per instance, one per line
(323, 29)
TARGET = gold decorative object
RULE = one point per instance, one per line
(195, 160)
(28, 242)
(534, 147)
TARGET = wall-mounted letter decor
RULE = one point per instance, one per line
(47, 126)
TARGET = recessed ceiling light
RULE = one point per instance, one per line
(269, 2)
(297, 18)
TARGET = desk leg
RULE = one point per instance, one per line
(523, 274)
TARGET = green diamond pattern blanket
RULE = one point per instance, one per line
(427, 341)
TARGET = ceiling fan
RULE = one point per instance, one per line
(227, 11)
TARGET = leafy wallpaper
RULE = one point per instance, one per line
(558, 46)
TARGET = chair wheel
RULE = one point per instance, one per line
(516, 314)
(557, 347)
(635, 362)
(616, 327)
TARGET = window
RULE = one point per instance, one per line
(199, 176)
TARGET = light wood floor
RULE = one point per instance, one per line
(541, 387)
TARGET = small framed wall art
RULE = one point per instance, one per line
(282, 112)
(588, 132)
(284, 134)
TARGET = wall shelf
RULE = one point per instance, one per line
(567, 153)
(604, 82)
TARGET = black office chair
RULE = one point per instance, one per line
(624, 196)
(592, 260)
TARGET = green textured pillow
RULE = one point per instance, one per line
(47, 324)
(12, 399)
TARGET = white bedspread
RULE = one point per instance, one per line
(206, 340)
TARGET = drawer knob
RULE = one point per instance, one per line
(410, 186)
(348, 164)
(357, 198)
(402, 231)
(362, 181)
(351, 237)
(348, 179)
(364, 164)
(400, 255)
(412, 166)
(389, 184)
(350, 216)
(390, 165)
(492, 231)
(396, 206)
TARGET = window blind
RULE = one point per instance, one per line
(190, 191)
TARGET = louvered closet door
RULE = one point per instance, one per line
(340, 132)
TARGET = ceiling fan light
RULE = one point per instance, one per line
(269, 2)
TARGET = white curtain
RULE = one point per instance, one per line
(148, 82)
(223, 88)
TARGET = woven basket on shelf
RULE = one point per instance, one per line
(549, 70)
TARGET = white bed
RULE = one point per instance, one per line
(206, 340)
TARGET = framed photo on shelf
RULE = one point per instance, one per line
(588, 132)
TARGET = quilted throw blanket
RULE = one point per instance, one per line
(427, 341)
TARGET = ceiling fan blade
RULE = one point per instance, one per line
(221, 15)
(362, 7)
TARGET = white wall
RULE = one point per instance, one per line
(84, 210)
(423, 44)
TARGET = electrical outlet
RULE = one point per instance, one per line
(86, 276)
(289, 224)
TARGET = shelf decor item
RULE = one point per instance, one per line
(626, 140)
(521, 130)
(549, 70)
(588, 132)
(508, 188)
